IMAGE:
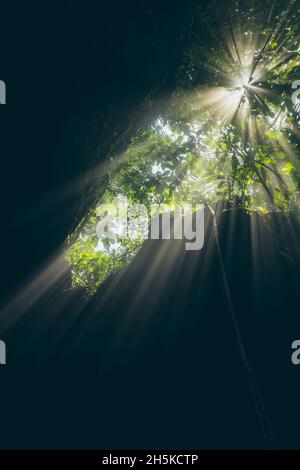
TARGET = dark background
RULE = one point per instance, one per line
(75, 72)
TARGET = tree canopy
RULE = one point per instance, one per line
(230, 131)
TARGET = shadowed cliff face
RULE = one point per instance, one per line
(154, 359)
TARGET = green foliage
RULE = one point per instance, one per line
(217, 140)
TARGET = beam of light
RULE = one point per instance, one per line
(49, 278)
(245, 71)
